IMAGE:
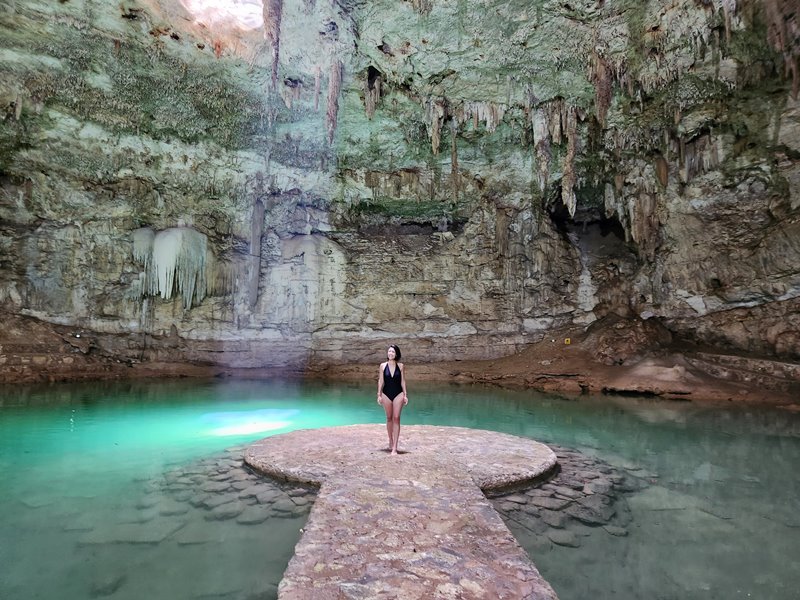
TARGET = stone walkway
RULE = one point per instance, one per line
(413, 526)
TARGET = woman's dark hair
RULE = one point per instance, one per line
(397, 354)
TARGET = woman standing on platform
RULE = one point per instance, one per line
(392, 393)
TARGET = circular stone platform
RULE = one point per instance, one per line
(493, 460)
(412, 526)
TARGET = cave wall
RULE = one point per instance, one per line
(459, 176)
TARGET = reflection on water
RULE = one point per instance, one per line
(84, 470)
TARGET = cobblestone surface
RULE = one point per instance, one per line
(415, 526)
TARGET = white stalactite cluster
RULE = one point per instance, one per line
(175, 260)
(555, 121)
(437, 111)
(552, 122)
(489, 112)
(634, 201)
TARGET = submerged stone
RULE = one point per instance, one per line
(229, 510)
(107, 585)
(564, 538)
(152, 532)
(253, 515)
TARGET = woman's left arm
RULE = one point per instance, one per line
(402, 368)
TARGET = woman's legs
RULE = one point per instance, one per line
(387, 406)
(397, 408)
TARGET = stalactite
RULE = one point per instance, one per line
(372, 90)
(614, 202)
(644, 223)
(423, 7)
(143, 251)
(541, 148)
(317, 76)
(569, 178)
(699, 156)
(273, 10)
(728, 8)
(256, 232)
(220, 276)
(662, 170)
(783, 33)
(490, 113)
(334, 87)
(454, 173)
(609, 201)
(173, 259)
(291, 91)
(601, 77)
(556, 119)
(435, 113)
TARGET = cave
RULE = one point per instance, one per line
(580, 221)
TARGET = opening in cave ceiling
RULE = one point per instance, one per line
(243, 14)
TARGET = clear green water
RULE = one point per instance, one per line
(720, 518)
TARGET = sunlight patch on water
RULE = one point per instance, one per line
(250, 421)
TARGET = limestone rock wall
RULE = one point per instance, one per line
(461, 177)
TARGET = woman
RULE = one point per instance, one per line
(392, 393)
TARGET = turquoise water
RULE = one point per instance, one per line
(719, 518)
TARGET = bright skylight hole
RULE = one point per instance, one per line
(245, 14)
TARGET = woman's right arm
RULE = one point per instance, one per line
(380, 382)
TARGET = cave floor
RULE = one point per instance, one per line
(34, 351)
(678, 373)
(417, 522)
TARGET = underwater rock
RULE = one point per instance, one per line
(107, 585)
(225, 511)
(570, 503)
(564, 538)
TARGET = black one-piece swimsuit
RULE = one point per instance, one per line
(392, 384)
